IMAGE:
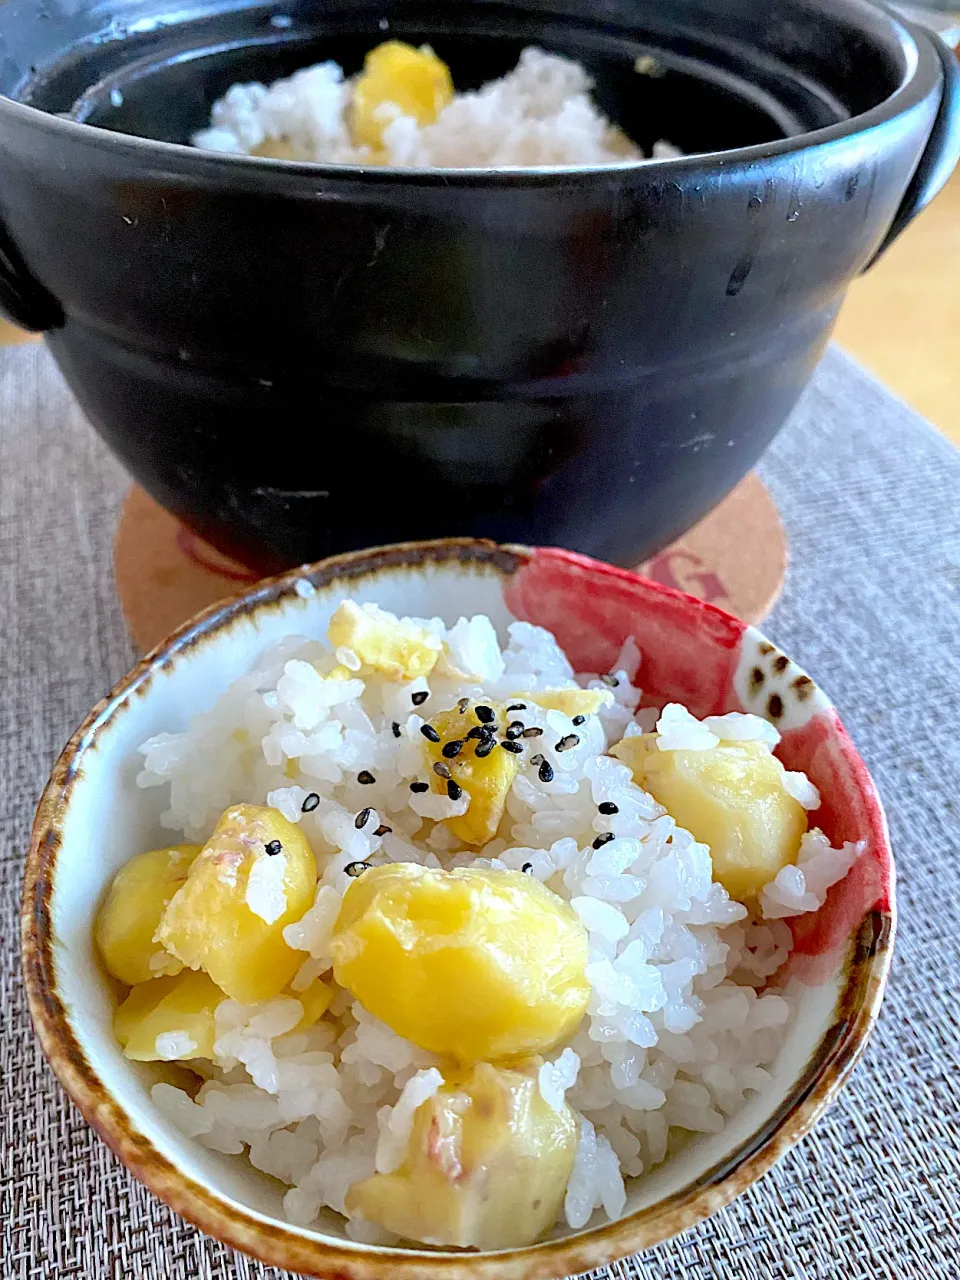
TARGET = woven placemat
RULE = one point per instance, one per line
(870, 497)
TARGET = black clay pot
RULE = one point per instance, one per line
(300, 359)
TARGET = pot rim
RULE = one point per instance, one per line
(922, 74)
(287, 1246)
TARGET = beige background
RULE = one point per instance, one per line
(902, 319)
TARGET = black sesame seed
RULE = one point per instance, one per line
(430, 733)
(441, 769)
(527, 866)
(485, 715)
(419, 698)
(532, 732)
(608, 807)
(578, 720)
(571, 740)
(365, 778)
(513, 747)
(310, 803)
(419, 786)
(452, 749)
(356, 868)
(396, 729)
(453, 791)
(463, 704)
(545, 773)
(484, 747)
(514, 730)
(610, 681)
(273, 848)
(602, 840)
(536, 760)
(362, 818)
(383, 830)
(517, 706)
(478, 731)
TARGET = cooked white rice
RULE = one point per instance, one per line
(682, 1024)
(540, 114)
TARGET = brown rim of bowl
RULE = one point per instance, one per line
(287, 1247)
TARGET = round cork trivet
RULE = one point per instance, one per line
(736, 558)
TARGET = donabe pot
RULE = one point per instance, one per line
(299, 359)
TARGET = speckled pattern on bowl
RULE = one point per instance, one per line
(91, 819)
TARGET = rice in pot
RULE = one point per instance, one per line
(541, 113)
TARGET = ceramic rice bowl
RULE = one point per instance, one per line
(92, 817)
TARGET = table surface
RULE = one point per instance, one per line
(868, 493)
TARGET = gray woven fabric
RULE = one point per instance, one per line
(871, 500)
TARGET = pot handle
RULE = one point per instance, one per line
(23, 300)
(942, 150)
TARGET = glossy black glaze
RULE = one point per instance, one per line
(300, 359)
